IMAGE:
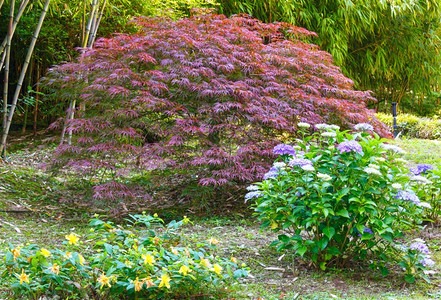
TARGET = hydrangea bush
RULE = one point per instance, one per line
(336, 196)
(122, 262)
(426, 181)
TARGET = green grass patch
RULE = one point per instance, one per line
(420, 151)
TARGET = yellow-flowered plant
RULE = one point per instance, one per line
(45, 252)
(164, 281)
(148, 259)
(72, 239)
(123, 262)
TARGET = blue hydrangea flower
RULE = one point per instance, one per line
(299, 162)
(408, 196)
(282, 149)
(253, 194)
(420, 247)
(350, 146)
(421, 169)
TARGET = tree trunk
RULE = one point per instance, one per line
(63, 131)
(21, 78)
(71, 116)
(8, 59)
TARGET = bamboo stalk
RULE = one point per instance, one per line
(28, 83)
(8, 58)
(14, 25)
(37, 98)
(21, 78)
(72, 103)
(83, 23)
(89, 23)
(95, 30)
(94, 18)
(1, 3)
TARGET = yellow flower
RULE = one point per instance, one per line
(55, 269)
(155, 215)
(82, 260)
(213, 241)
(185, 220)
(22, 277)
(148, 259)
(15, 252)
(138, 284)
(174, 251)
(135, 245)
(217, 269)
(72, 238)
(45, 253)
(184, 270)
(165, 281)
(205, 262)
(233, 259)
(68, 255)
(104, 280)
(149, 282)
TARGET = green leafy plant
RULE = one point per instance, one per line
(414, 126)
(124, 262)
(339, 196)
(426, 182)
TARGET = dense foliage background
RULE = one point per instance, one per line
(389, 47)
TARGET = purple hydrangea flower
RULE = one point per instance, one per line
(350, 146)
(253, 194)
(420, 247)
(366, 230)
(271, 174)
(421, 169)
(427, 262)
(408, 196)
(299, 162)
(364, 127)
(282, 149)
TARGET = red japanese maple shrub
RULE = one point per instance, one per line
(207, 94)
